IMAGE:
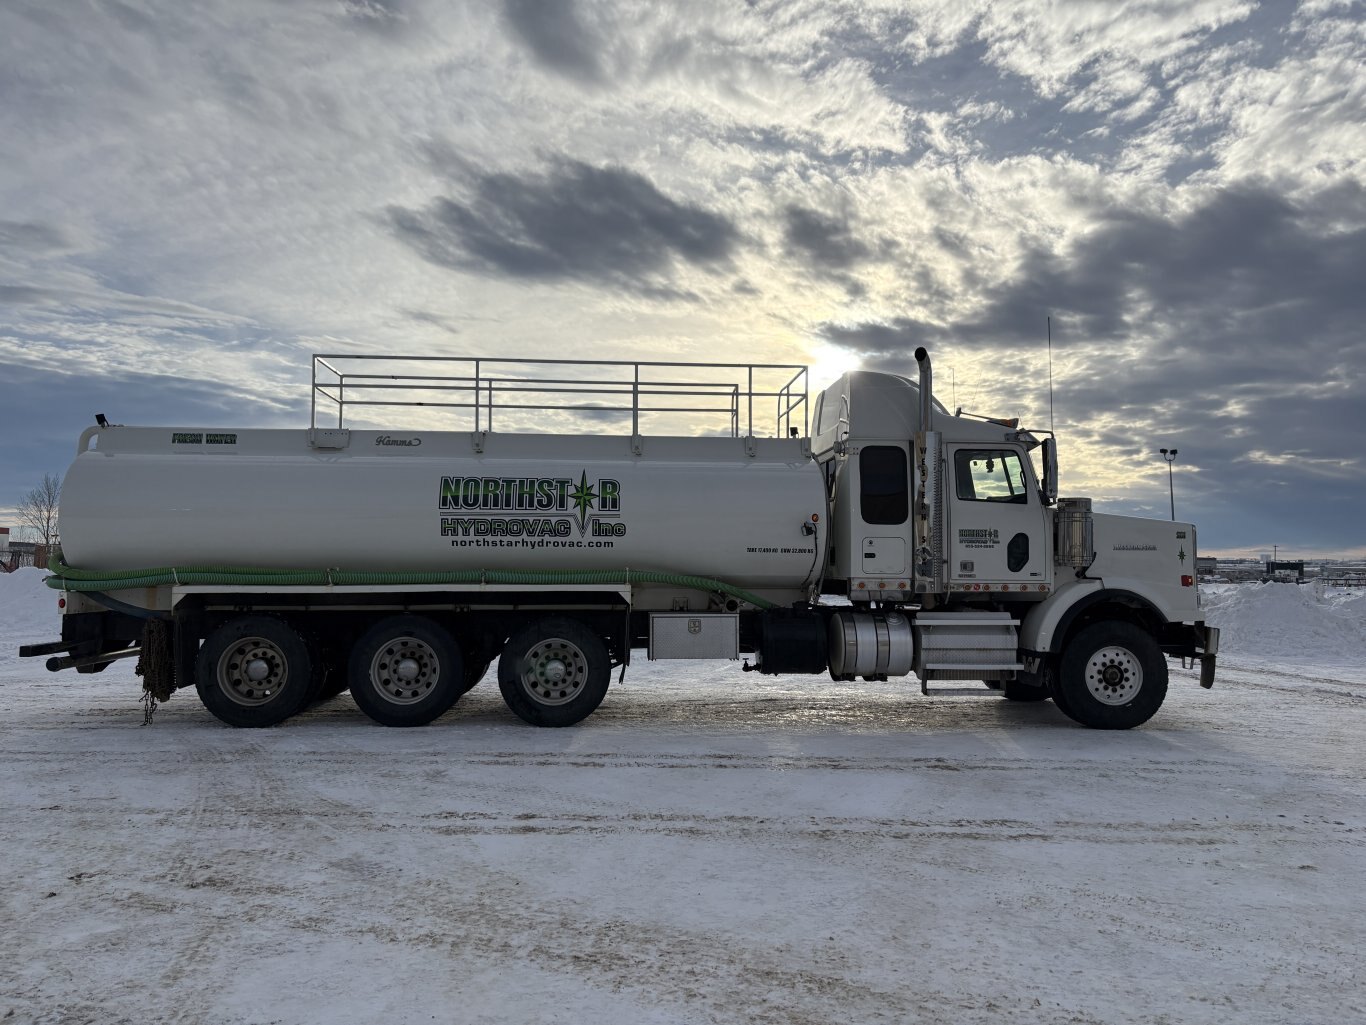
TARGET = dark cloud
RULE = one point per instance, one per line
(1232, 332)
(29, 238)
(435, 319)
(576, 222)
(1249, 267)
(824, 240)
(558, 36)
(827, 244)
(27, 295)
(1003, 112)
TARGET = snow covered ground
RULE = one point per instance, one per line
(708, 847)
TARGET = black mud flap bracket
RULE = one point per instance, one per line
(1209, 653)
(1207, 671)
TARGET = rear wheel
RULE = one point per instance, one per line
(254, 671)
(405, 671)
(1113, 676)
(554, 672)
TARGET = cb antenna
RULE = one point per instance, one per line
(1050, 373)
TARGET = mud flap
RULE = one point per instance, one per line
(1207, 660)
(1207, 671)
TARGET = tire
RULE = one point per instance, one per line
(405, 671)
(1113, 676)
(1059, 698)
(554, 672)
(254, 671)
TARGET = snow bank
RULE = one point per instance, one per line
(28, 610)
(1288, 623)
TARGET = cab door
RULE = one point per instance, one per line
(883, 524)
(996, 529)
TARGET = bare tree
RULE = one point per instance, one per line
(38, 509)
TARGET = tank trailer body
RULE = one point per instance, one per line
(268, 568)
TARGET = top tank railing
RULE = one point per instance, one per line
(512, 394)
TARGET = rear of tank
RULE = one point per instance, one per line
(143, 497)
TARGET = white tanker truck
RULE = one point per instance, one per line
(877, 535)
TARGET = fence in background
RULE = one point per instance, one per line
(20, 554)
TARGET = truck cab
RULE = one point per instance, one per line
(982, 499)
(946, 520)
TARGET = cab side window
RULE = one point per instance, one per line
(990, 475)
(883, 477)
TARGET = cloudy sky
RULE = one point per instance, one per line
(196, 197)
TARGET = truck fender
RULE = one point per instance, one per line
(1047, 625)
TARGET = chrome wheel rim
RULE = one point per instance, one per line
(1114, 675)
(252, 671)
(405, 670)
(555, 671)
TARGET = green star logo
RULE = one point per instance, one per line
(583, 498)
(1181, 554)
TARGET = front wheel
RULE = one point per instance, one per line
(254, 671)
(1113, 676)
(554, 672)
(405, 671)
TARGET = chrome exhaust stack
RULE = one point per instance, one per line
(926, 387)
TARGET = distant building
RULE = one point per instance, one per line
(1283, 570)
(1344, 576)
(14, 554)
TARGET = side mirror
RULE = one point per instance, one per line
(1050, 471)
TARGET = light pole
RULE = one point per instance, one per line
(1169, 454)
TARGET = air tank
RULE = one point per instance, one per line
(751, 512)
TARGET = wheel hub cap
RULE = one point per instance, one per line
(1114, 676)
(556, 672)
(405, 670)
(252, 671)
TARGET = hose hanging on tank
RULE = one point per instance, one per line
(68, 578)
